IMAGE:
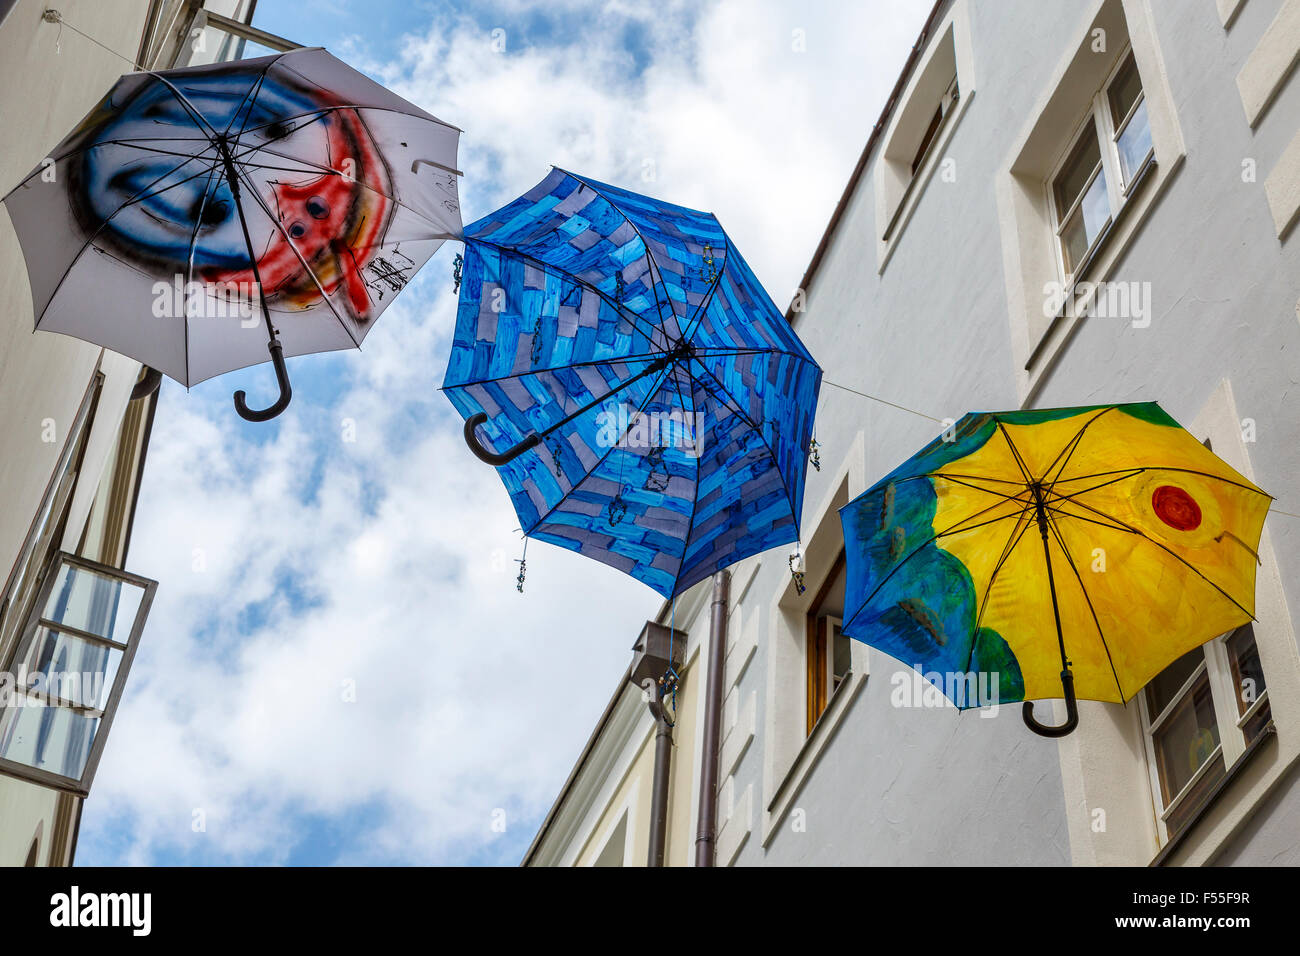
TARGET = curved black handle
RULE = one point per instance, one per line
(483, 453)
(286, 391)
(1071, 712)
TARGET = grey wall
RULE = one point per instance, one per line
(933, 333)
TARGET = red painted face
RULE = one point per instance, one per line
(1176, 508)
(332, 222)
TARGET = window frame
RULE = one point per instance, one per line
(1099, 121)
(35, 621)
(819, 674)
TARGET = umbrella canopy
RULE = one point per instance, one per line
(1086, 547)
(192, 206)
(652, 406)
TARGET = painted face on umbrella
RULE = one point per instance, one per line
(156, 190)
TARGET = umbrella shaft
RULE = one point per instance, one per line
(656, 366)
(1041, 510)
(232, 177)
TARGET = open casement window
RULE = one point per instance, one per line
(68, 671)
(828, 650)
(46, 531)
(1099, 168)
(946, 103)
(1198, 715)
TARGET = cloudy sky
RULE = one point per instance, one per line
(338, 668)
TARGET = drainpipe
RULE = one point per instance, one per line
(663, 767)
(705, 837)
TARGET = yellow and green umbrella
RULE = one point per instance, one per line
(1024, 553)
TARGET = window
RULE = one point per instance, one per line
(921, 124)
(1100, 167)
(828, 651)
(1100, 148)
(940, 112)
(1199, 714)
(70, 665)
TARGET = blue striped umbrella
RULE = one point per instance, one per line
(644, 401)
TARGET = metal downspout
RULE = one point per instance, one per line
(662, 771)
(705, 835)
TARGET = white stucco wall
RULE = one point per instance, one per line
(933, 331)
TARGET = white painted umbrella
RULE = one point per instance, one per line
(195, 213)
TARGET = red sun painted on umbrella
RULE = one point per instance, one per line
(1176, 508)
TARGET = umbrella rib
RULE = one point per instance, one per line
(987, 491)
(250, 97)
(185, 103)
(329, 170)
(104, 225)
(189, 270)
(1084, 491)
(1056, 533)
(1070, 514)
(1072, 445)
(1185, 471)
(1146, 537)
(735, 406)
(552, 369)
(650, 259)
(636, 320)
(1020, 462)
(698, 315)
(252, 188)
(953, 529)
(1013, 540)
(654, 390)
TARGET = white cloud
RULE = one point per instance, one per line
(400, 545)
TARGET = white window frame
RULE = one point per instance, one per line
(1025, 219)
(1216, 662)
(1099, 122)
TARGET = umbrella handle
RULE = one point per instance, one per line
(286, 391)
(483, 453)
(1071, 712)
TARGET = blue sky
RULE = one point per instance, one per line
(338, 668)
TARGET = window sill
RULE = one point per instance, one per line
(1269, 732)
(810, 752)
(920, 182)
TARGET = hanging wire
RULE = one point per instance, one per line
(874, 398)
(54, 16)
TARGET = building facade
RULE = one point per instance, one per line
(1062, 204)
(76, 423)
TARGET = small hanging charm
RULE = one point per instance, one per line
(814, 449)
(455, 271)
(522, 561)
(797, 571)
(710, 270)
